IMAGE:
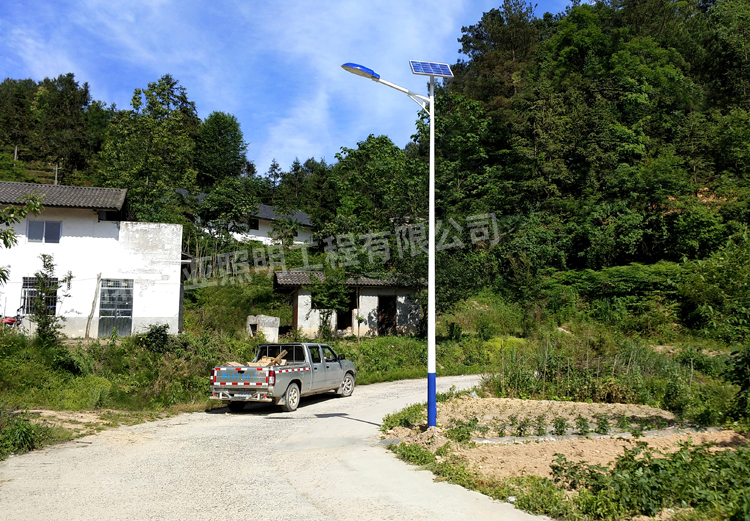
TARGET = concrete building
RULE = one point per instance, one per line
(376, 307)
(126, 275)
(261, 226)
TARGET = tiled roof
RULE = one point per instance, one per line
(302, 278)
(269, 213)
(65, 196)
(265, 211)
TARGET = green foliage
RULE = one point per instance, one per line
(739, 373)
(225, 307)
(523, 427)
(644, 481)
(602, 424)
(156, 338)
(219, 150)
(462, 431)
(149, 150)
(225, 210)
(582, 425)
(413, 453)
(408, 417)
(18, 434)
(330, 294)
(540, 425)
(715, 291)
(48, 294)
(560, 426)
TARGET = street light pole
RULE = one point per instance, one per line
(430, 69)
(431, 299)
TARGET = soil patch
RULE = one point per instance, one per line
(533, 459)
(505, 457)
(491, 410)
(80, 422)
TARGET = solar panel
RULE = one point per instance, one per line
(431, 69)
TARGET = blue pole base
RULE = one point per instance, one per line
(431, 400)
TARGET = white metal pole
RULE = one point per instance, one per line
(431, 377)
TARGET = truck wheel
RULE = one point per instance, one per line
(236, 406)
(347, 385)
(291, 398)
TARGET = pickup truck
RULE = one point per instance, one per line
(305, 369)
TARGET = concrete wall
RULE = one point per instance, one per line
(263, 233)
(408, 313)
(148, 253)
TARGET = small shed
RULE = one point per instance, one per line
(376, 307)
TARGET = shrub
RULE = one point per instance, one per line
(156, 338)
(560, 426)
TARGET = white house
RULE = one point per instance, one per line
(126, 275)
(261, 226)
(376, 307)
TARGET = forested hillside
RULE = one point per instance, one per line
(613, 138)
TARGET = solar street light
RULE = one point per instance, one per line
(433, 70)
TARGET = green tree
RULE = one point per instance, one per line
(220, 149)
(47, 296)
(732, 22)
(149, 150)
(15, 113)
(330, 295)
(715, 291)
(227, 208)
(60, 133)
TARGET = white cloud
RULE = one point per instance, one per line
(275, 65)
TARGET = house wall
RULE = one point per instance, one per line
(263, 233)
(148, 253)
(407, 313)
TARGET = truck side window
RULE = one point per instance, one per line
(328, 354)
(315, 354)
(299, 354)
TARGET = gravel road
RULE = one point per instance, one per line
(321, 462)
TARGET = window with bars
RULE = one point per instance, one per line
(44, 231)
(31, 293)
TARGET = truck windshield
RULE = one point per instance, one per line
(294, 353)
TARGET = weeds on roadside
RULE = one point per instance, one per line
(411, 415)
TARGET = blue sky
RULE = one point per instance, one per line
(275, 65)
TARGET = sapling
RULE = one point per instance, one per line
(582, 424)
(540, 426)
(602, 424)
(523, 427)
(559, 426)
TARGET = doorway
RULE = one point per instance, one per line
(387, 315)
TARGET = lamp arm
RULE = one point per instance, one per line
(420, 100)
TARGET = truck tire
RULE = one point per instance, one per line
(236, 406)
(347, 385)
(291, 398)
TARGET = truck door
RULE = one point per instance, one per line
(318, 380)
(334, 372)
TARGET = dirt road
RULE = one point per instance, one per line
(325, 462)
